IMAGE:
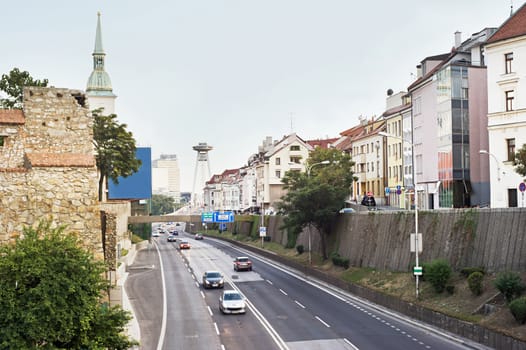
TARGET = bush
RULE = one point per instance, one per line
(510, 285)
(438, 273)
(467, 271)
(300, 249)
(475, 282)
(518, 309)
(339, 260)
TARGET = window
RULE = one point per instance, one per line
(295, 160)
(508, 58)
(295, 148)
(278, 174)
(278, 161)
(509, 100)
(2, 140)
(511, 149)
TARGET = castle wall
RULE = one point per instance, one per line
(47, 166)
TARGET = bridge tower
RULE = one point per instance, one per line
(201, 174)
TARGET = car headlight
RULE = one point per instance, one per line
(221, 281)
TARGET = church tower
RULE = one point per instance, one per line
(99, 91)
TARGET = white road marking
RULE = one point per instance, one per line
(282, 291)
(269, 282)
(217, 329)
(299, 304)
(351, 344)
(210, 311)
(322, 321)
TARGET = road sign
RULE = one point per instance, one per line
(413, 243)
(522, 187)
(207, 217)
(387, 190)
(262, 231)
(226, 216)
(417, 270)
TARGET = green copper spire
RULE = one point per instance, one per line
(99, 83)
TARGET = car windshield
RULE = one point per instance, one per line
(242, 259)
(232, 296)
(213, 274)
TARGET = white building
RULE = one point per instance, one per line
(166, 178)
(505, 55)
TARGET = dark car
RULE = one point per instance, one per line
(171, 238)
(368, 201)
(213, 279)
(242, 263)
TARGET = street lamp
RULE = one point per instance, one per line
(417, 271)
(483, 151)
(324, 162)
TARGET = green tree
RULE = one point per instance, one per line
(520, 161)
(115, 149)
(50, 295)
(162, 204)
(13, 84)
(315, 197)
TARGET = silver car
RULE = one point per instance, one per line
(232, 302)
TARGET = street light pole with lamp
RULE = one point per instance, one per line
(483, 151)
(309, 168)
(417, 271)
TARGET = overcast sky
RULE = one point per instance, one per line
(232, 72)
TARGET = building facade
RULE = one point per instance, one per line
(166, 176)
(505, 54)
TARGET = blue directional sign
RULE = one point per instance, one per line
(226, 216)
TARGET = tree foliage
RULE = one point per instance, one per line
(520, 161)
(162, 204)
(316, 199)
(13, 84)
(115, 149)
(50, 295)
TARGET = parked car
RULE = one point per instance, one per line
(184, 245)
(368, 201)
(242, 263)
(347, 210)
(198, 236)
(171, 238)
(232, 302)
(213, 279)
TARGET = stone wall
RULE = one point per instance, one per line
(47, 166)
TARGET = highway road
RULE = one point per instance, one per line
(286, 310)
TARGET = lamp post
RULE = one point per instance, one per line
(483, 151)
(324, 162)
(417, 271)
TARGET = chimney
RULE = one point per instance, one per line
(419, 71)
(458, 39)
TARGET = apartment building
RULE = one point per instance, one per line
(505, 55)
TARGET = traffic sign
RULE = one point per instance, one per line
(207, 217)
(226, 216)
(262, 231)
(387, 190)
(417, 270)
(522, 187)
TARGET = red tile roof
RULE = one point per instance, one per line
(513, 27)
(12, 116)
(322, 143)
(60, 160)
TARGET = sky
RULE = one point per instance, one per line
(232, 72)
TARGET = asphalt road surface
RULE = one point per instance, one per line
(286, 310)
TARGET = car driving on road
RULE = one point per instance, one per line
(242, 263)
(213, 279)
(184, 245)
(171, 238)
(232, 302)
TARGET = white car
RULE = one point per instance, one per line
(232, 302)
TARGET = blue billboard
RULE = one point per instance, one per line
(138, 185)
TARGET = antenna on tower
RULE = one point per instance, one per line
(201, 173)
(291, 122)
(511, 8)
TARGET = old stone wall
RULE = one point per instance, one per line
(47, 166)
